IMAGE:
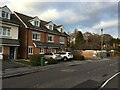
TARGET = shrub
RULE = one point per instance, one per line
(52, 61)
(35, 60)
(77, 56)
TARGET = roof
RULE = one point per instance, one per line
(9, 42)
(26, 19)
(12, 20)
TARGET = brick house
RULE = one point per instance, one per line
(38, 36)
(9, 42)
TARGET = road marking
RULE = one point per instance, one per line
(108, 80)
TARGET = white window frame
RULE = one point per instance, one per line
(51, 27)
(6, 15)
(36, 23)
(61, 29)
(62, 41)
(52, 38)
(5, 31)
(41, 50)
(30, 50)
(1, 49)
(37, 39)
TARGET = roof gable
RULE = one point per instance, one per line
(5, 13)
(35, 21)
(60, 28)
(50, 25)
(5, 8)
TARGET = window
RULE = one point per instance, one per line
(5, 14)
(36, 23)
(35, 36)
(50, 27)
(41, 50)
(1, 50)
(61, 30)
(30, 50)
(50, 38)
(5, 31)
(62, 40)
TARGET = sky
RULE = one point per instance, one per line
(84, 15)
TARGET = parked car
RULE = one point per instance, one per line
(52, 55)
(66, 55)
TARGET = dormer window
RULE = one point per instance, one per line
(50, 27)
(5, 14)
(36, 23)
(61, 29)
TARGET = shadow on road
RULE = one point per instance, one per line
(87, 85)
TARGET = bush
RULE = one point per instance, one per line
(52, 61)
(77, 56)
(35, 60)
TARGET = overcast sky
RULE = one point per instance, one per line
(85, 15)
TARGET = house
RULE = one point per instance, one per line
(39, 37)
(9, 42)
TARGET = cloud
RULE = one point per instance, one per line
(50, 14)
(108, 24)
(85, 14)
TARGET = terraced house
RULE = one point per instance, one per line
(9, 42)
(38, 36)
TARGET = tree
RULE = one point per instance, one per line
(79, 40)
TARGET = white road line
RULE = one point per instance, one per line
(109, 80)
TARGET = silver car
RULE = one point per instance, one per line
(52, 55)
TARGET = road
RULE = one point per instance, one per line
(87, 75)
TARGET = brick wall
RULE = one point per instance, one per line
(22, 49)
(26, 40)
(57, 39)
(6, 50)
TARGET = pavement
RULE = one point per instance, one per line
(23, 70)
(18, 70)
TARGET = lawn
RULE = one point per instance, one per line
(24, 62)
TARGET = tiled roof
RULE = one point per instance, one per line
(42, 27)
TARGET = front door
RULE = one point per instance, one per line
(12, 52)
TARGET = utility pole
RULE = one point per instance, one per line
(101, 39)
(101, 42)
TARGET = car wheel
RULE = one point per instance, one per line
(65, 58)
